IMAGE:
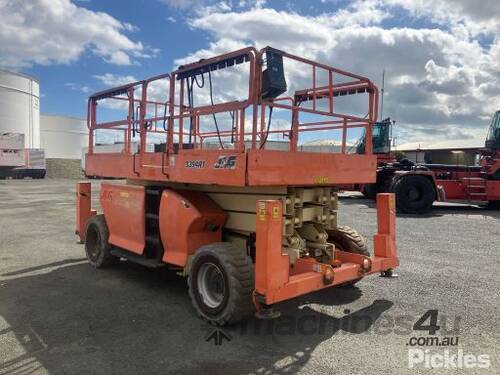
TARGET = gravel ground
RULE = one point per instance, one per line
(60, 316)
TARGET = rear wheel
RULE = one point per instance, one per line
(97, 247)
(494, 204)
(370, 191)
(414, 194)
(221, 283)
(348, 239)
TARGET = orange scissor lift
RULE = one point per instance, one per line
(250, 223)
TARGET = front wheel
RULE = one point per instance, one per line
(97, 247)
(221, 283)
(414, 194)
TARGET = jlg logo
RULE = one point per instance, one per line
(225, 162)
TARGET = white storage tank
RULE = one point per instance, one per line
(63, 137)
(20, 106)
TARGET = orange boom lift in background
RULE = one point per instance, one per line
(248, 224)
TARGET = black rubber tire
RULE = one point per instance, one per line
(237, 270)
(370, 191)
(494, 205)
(348, 239)
(97, 247)
(422, 189)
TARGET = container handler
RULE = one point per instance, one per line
(418, 185)
(248, 226)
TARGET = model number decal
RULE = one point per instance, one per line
(225, 162)
(196, 164)
(321, 180)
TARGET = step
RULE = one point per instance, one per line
(476, 186)
(136, 258)
(475, 194)
(473, 178)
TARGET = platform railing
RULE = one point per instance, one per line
(180, 123)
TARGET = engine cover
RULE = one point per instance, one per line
(188, 220)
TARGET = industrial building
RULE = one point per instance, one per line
(448, 152)
(20, 106)
(61, 137)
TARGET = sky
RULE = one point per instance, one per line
(441, 57)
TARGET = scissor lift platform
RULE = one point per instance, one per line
(260, 222)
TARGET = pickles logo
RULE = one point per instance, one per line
(427, 358)
(225, 162)
(437, 351)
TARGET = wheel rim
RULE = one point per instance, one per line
(92, 241)
(414, 194)
(211, 286)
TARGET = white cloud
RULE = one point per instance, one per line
(113, 80)
(212, 5)
(59, 32)
(475, 16)
(440, 83)
(78, 87)
(180, 3)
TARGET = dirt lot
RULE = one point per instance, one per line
(60, 316)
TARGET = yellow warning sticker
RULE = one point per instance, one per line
(276, 212)
(262, 214)
(123, 194)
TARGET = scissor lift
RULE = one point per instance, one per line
(248, 225)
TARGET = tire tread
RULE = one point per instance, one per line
(239, 269)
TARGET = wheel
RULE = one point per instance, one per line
(414, 194)
(221, 283)
(348, 239)
(97, 246)
(370, 191)
(494, 205)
